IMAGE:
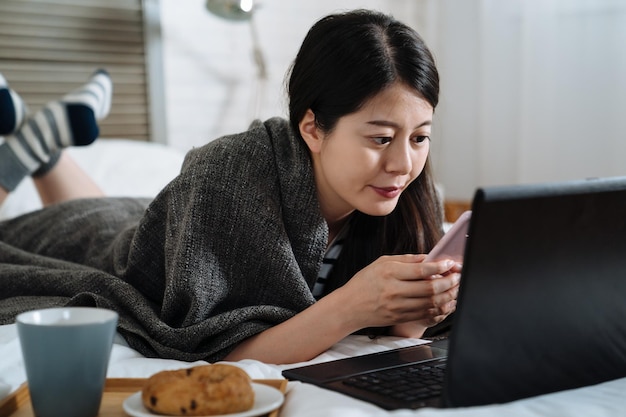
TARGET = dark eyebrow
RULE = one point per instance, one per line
(387, 123)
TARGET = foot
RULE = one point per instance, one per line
(71, 121)
(12, 109)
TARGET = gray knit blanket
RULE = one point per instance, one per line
(231, 247)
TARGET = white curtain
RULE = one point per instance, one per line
(532, 90)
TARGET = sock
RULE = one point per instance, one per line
(12, 109)
(45, 168)
(95, 94)
(71, 121)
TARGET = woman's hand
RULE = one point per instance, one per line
(403, 292)
(390, 291)
(417, 328)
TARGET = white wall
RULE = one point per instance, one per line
(532, 90)
(210, 74)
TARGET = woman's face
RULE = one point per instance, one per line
(372, 155)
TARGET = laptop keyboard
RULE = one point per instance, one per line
(409, 384)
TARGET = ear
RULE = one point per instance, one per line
(310, 133)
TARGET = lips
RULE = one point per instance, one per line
(388, 192)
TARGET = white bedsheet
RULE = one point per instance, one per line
(305, 400)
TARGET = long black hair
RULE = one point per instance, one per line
(345, 60)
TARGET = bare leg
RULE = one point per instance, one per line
(66, 181)
(3, 195)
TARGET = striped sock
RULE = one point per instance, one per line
(12, 109)
(95, 94)
(71, 121)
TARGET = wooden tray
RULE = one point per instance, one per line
(116, 390)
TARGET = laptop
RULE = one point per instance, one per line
(541, 306)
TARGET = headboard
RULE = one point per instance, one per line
(50, 47)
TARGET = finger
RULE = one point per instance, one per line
(433, 321)
(457, 267)
(426, 317)
(425, 307)
(428, 288)
(410, 271)
(442, 304)
(410, 258)
(446, 309)
(437, 315)
(404, 258)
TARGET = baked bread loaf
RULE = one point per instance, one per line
(199, 391)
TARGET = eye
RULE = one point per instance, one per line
(382, 140)
(420, 139)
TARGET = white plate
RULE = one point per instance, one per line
(266, 399)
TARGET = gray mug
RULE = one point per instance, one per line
(66, 354)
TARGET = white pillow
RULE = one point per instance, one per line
(120, 167)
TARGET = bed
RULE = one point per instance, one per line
(125, 167)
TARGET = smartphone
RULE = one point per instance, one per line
(452, 244)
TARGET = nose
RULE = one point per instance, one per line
(399, 158)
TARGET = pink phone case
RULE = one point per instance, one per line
(452, 244)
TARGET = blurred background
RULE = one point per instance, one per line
(531, 90)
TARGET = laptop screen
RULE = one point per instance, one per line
(543, 292)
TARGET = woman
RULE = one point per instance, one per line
(231, 259)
